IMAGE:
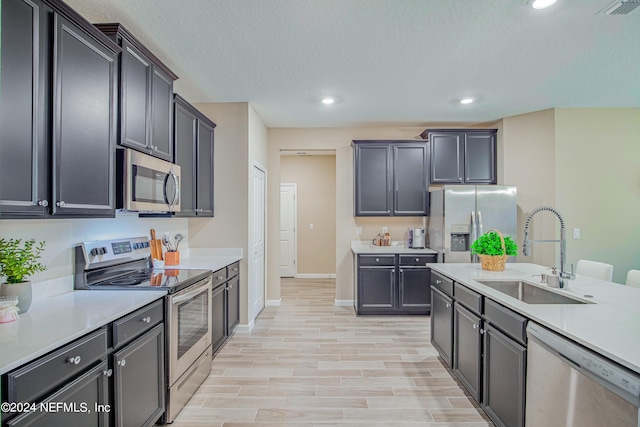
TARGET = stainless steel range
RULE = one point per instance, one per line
(125, 264)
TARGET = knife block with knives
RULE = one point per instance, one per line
(156, 246)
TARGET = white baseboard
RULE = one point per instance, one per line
(315, 276)
(245, 329)
(344, 303)
(273, 302)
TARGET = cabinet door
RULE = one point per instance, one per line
(23, 97)
(135, 90)
(503, 378)
(186, 128)
(233, 304)
(82, 402)
(480, 158)
(442, 325)
(373, 180)
(139, 380)
(161, 115)
(414, 290)
(83, 123)
(219, 319)
(447, 157)
(410, 180)
(467, 356)
(376, 290)
(204, 183)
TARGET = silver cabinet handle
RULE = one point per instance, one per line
(482, 331)
(146, 319)
(377, 259)
(220, 277)
(107, 373)
(401, 271)
(417, 259)
(235, 269)
(43, 203)
(438, 282)
(60, 204)
(230, 286)
(448, 305)
(475, 326)
(74, 360)
(122, 362)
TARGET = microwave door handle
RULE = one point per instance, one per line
(174, 178)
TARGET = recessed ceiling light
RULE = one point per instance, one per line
(466, 100)
(541, 4)
(328, 101)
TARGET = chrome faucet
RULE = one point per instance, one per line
(526, 246)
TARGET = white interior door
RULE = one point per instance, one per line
(257, 273)
(288, 230)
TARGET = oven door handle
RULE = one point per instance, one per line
(177, 299)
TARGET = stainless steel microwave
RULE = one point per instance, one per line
(145, 183)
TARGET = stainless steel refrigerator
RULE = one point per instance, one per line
(462, 213)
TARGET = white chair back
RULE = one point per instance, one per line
(633, 278)
(595, 269)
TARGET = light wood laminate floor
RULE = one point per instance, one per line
(309, 363)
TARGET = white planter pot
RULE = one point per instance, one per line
(21, 290)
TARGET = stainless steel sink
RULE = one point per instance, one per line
(529, 293)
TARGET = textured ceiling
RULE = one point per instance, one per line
(388, 62)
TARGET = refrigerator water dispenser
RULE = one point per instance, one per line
(460, 238)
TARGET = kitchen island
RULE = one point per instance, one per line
(609, 324)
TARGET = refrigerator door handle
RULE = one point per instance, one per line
(474, 234)
(480, 229)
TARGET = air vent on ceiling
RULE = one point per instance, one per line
(620, 7)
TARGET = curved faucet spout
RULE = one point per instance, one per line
(526, 246)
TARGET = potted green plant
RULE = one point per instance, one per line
(493, 249)
(17, 262)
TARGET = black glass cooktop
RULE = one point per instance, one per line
(171, 280)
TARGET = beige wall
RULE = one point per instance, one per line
(228, 228)
(315, 178)
(338, 139)
(528, 161)
(598, 184)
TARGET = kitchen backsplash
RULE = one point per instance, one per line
(397, 226)
(62, 235)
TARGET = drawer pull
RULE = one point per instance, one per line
(417, 259)
(448, 305)
(482, 331)
(122, 362)
(377, 259)
(235, 268)
(230, 286)
(108, 373)
(146, 319)
(220, 277)
(475, 326)
(438, 282)
(74, 360)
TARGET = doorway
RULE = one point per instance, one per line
(257, 280)
(288, 228)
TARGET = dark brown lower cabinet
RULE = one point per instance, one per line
(467, 357)
(225, 304)
(139, 387)
(442, 325)
(376, 290)
(73, 405)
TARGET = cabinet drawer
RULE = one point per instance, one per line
(420, 260)
(136, 323)
(219, 276)
(233, 269)
(442, 282)
(506, 320)
(471, 299)
(376, 260)
(38, 378)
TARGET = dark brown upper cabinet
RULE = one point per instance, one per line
(57, 113)
(146, 96)
(193, 140)
(462, 156)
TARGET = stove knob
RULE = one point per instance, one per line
(94, 252)
(102, 250)
(135, 246)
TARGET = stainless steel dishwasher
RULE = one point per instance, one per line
(568, 385)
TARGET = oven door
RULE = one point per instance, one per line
(149, 184)
(189, 327)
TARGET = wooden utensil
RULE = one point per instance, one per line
(156, 246)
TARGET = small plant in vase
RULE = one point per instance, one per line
(494, 249)
(18, 261)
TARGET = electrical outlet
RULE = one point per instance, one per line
(310, 226)
(359, 231)
(385, 230)
(576, 233)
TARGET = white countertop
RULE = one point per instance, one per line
(610, 326)
(208, 259)
(56, 321)
(365, 247)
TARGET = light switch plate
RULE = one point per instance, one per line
(359, 231)
(310, 226)
(385, 230)
(576, 233)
